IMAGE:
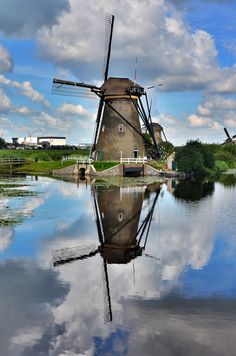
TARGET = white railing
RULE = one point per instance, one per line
(133, 160)
(77, 159)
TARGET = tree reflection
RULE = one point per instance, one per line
(193, 191)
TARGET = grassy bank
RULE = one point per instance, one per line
(43, 167)
(42, 155)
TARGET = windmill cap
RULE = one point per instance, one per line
(120, 86)
(157, 126)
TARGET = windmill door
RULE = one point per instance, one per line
(135, 153)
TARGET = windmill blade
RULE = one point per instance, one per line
(226, 132)
(106, 294)
(97, 125)
(109, 24)
(69, 88)
(150, 256)
(234, 136)
(164, 134)
(69, 254)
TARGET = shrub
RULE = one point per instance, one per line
(194, 158)
(220, 166)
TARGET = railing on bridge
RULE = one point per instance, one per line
(10, 161)
(133, 160)
(77, 159)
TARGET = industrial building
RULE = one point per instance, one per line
(40, 141)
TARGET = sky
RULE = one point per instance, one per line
(188, 46)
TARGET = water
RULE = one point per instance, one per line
(152, 268)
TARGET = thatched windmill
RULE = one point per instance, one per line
(117, 129)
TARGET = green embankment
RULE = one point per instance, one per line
(40, 161)
(42, 155)
(43, 167)
(212, 159)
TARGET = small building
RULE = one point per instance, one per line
(171, 163)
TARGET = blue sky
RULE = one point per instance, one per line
(189, 46)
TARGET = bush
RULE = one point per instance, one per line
(220, 167)
(194, 158)
(2, 143)
(230, 147)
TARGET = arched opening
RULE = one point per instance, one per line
(82, 172)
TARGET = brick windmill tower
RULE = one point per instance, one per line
(117, 130)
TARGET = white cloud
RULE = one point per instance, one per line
(215, 112)
(6, 63)
(6, 236)
(169, 50)
(28, 91)
(231, 122)
(5, 102)
(25, 89)
(224, 82)
(196, 120)
(72, 109)
(5, 123)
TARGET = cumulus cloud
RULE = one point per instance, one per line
(5, 123)
(25, 18)
(72, 109)
(6, 236)
(231, 122)
(25, 89)
(5, 102)
(214, 112)
(198, 121)
(85, 118)
(170, 51)
(224, 82)
(6, 62)
(31, 306)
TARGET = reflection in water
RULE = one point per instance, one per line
(121, 235)
(228, 180)
(193, 191)
(183, 304)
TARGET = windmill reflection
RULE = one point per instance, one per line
(122, 233)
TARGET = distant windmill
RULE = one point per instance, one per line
(119, 231)
(230, 139)
(117, 129)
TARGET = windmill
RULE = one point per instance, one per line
(229, 139)
(117, 128)
(122, 237)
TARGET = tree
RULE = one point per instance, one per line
(194, 158)
(2, 143)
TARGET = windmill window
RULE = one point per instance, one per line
(121, 128)
(103, 127)
(120, 217)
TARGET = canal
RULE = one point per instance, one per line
(117, 267)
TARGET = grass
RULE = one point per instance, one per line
(160, 165)
(43, 167)
(42, 155)
(102, 165)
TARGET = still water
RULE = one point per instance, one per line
(129, 267)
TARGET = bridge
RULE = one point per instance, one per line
(77, 159)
